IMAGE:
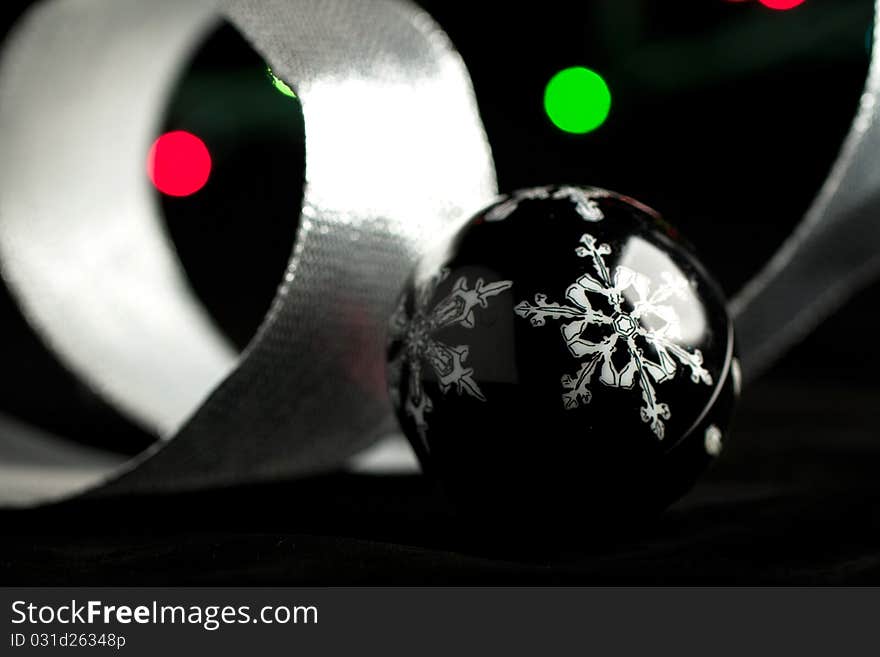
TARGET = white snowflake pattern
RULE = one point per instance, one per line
(628, 327)
(584, 201)
(420, 348)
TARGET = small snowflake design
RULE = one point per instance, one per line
(629, 301)
(421, 349)
(584, 201)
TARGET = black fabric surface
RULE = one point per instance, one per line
(794, 500)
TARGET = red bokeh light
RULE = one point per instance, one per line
(781, 4)
(179, 163)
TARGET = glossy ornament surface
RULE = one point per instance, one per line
(564, 356)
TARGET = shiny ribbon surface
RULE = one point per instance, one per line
(395, 156)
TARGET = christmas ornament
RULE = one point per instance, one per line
(564, 355)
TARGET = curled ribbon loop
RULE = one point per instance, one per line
(832, 254)
(395, 156)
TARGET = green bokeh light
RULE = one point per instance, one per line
(577, 100)
(280, 84)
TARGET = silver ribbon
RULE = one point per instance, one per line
(396, 155)
(832, 254)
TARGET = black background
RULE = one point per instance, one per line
(725, 117)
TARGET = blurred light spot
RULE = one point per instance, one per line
(782, 5)
(179, 163)
(577, 100)
(280, 84)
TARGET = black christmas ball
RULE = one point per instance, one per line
(564, 358)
